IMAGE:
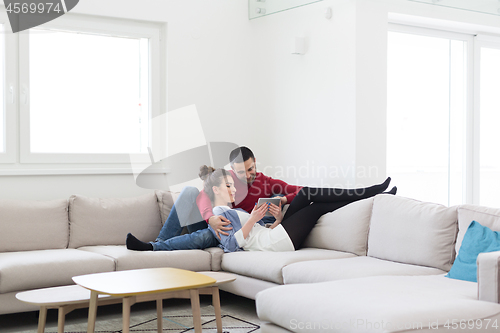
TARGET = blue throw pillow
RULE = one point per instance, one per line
(477, 239)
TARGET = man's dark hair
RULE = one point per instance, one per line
(240, 154)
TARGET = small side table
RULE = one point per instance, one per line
(65, 299)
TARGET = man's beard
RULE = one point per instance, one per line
(250, 181)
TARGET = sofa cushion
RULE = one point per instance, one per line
(10, 304)
(375, 304)
(413, 232)
(216, 253)
(48, 268)
(349, 268)
(246, 286)
(166, 200)
(345, 229)
(97, 221)
(33, 225)
(194, 260)
(268, 265)
(478, 239)
(486, 216)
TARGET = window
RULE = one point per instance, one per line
(427, 84)
(87, 91)
(443, 115)
(98, 104)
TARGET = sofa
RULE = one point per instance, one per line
(378, 264)
(397, 280)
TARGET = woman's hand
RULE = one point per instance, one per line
(276, 212)
(259, 212)
(256, 215)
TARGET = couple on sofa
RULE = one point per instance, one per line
(228, 202)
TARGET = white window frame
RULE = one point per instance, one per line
(490, 41)
(10, 90)
(471, 163)
(102, 26)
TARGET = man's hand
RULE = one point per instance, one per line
(284, 200)
(219, 223)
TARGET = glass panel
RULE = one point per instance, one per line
(88, 93)
(458, 109)
(489, 193)
(258, 8)
(422, 107)
(481, 6)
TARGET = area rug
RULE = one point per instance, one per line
(173, 322)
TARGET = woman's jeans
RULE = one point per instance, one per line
(185, 213)
(200, 239)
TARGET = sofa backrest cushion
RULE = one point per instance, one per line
(413, 232)
(345, 229)
(166, 200)
(486, 216)
(97, 221)
(33, 225)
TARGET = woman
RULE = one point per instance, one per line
(248, 233)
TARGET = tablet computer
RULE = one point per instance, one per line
(275, 200)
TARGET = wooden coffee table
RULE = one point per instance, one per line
(153, 284)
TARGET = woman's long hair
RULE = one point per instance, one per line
(212, 177)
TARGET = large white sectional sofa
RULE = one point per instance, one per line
(376, 265)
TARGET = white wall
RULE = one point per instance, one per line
(315, 119)
(309, 99)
